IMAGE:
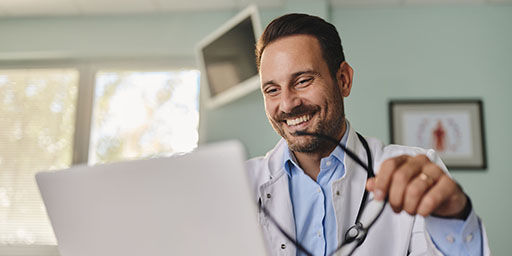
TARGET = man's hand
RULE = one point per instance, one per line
(418, 186)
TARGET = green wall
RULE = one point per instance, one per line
(400, 52)
(170, 35)
(448, 52)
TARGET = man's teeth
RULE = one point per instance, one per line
(298, 120)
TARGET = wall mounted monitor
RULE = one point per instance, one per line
(227, 59)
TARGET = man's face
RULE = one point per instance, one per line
(300, 94)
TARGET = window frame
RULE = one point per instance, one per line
(87, 70)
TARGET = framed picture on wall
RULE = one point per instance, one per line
(454, 128)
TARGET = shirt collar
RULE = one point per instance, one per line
(289, 158)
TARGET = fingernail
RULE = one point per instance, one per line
(379, 195)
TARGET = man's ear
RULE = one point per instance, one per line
(344, 76)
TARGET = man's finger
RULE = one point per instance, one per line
(413, 194)
(419, 186)
(370, 184)
(401, 179)
(437, 195)
(383, 178)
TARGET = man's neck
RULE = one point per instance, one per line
(310, 162)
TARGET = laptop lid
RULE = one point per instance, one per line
(194, 204)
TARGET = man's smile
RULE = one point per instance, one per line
(298, 120)
(297, 123)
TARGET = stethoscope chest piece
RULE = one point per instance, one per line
(356, 232)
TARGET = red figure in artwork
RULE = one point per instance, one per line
(439, 137)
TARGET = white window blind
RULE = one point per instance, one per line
(37, 116)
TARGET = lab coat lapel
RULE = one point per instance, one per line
(348, 191)
(275, 197)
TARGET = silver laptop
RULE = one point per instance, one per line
(195, 204)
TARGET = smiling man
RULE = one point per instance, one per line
(312, 193)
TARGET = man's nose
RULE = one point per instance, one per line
(289, 100)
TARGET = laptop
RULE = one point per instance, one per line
(194, 204)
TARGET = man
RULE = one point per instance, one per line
(311, 190)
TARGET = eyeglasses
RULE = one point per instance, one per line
(368, 212)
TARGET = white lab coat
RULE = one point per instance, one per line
(392, 234)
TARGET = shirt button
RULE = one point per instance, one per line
(338, 193)
(319, 190)
(269, 195)
(283, 246)
(328, 163)
(469, 238)
(319, 234)
(450, 239)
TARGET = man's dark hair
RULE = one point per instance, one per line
(304, 24)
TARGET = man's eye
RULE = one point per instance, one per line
(305, 81)
(271, 91)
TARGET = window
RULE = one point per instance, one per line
(140, 114)
(134, 114)
(37, 115)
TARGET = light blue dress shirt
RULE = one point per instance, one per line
(315, 220)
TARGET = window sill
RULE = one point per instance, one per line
(29, 250)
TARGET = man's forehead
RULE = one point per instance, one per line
(289, 55)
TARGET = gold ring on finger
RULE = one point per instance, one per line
(424, 177)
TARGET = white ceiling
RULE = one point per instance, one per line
(12, 8)
(95, 7)
(412, 2)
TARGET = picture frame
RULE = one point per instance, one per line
(454, 128)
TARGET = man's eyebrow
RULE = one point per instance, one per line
(305, 72)
(267, 83)
(293, 76)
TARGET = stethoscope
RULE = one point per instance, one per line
(354, 231)
(356, 234)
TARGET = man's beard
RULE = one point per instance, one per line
(330, 126)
